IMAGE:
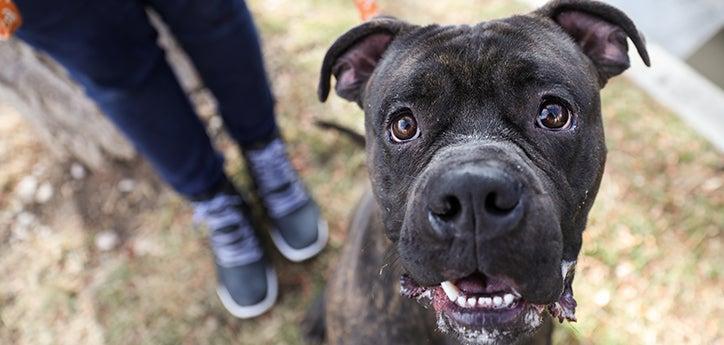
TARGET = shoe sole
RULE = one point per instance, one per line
(251, 311)
(299, 255)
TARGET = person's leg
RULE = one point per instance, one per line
(220, 38)
(110, 47)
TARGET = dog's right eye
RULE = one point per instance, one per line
(404, 127)
(554, 115)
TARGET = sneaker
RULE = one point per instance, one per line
(247, 283)
(298, 229)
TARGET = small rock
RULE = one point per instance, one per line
(77, 171)
(602, 298)
(23, 223)
(24, 219)
(20, 233)
(107, 240)
(44, 193)
(26, 188)
(624, 269)
(127, 185)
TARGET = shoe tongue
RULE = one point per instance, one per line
(270, 167)
(276, 180)
(478, 283)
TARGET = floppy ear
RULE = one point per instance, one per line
(353, 57)
(600, 31)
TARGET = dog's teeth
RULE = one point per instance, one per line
(451, 290)
(508, 299)
(456, 296)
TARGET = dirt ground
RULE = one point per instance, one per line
(112, 258)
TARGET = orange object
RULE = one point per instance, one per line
(367, 8)
(10, 19)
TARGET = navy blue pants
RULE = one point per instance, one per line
(110, 47)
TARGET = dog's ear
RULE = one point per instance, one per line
(600, 30)
(353, 57)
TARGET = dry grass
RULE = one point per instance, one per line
(650, 270)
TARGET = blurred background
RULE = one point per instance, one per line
(95, 250)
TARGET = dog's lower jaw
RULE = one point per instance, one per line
(483, 336)
(533, 320)
(531, 316)
(525, 324)
(469, 336)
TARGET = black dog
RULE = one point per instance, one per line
(485, 149)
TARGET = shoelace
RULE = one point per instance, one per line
(276, 180)
(232, 237)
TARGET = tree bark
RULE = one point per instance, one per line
(68, 123)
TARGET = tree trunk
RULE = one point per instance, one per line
(69, 123)
(65, 119)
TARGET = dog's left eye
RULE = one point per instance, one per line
(404, 127)
(554, 115)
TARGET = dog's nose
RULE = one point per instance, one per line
(473, 199)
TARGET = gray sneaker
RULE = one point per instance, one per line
(298, 229)
(247, 283)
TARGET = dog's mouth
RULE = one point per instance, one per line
(482, 309)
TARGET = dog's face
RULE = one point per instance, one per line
(485, 149)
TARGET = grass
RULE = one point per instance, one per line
(650, 271)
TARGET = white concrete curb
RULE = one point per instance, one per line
(673, 83)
